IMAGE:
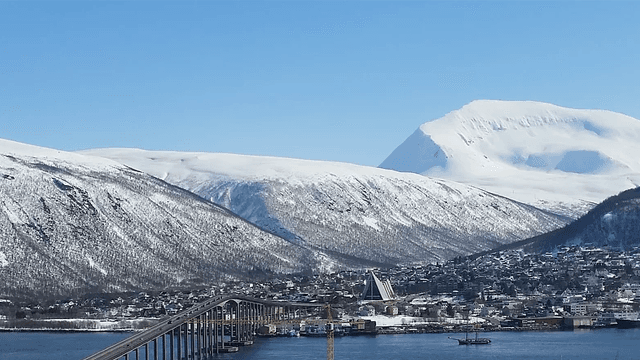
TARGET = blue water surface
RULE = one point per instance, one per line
(583, 344)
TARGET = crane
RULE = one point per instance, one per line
(329, 329)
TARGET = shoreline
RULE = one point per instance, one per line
(77, 325)
(392, 330)
(54, 330)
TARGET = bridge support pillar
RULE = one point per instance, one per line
(179, 343)
(186, 341)
(155, 349)
(171, 341)
(216, 339)
(191, 347)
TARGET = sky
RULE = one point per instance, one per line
(330, 80)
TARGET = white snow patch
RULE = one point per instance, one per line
(607, 217)
(401, 219)
(371, 222)
(326, 264)
(471, 320)
(96, 266)
(420, 301)
(12, 209)
(387, 321)
(3, 260)
(98, 324)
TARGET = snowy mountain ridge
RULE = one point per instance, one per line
(537, 153)
(72, 223)
(357, 214)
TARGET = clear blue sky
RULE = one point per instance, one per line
(345, 81)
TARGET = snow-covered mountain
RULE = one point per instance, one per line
(537, 153)
(613, 223)
(359, 215)
(75, 223)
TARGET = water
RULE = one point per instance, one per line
(587, 344)
(54, 345)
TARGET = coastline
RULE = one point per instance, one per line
(77, 325)
(385, 325)
(387, 330)
(54, 330)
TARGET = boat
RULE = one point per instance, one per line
(473, 341)
(628, 323)
(627, 320)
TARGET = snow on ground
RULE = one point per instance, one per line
(402, 320)
(94, 265)
(9, 148)
(387, 321)
(69, 221)
(3, 260)
(368, 214)
(197, 167)
(371, 222)
(529, 151)
(90, 324)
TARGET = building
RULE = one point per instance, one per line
(579, 322)
(376, 290)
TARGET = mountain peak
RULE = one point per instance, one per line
(520, 149)
(491, 115)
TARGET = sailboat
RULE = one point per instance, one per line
(470, 340)
(473, 341)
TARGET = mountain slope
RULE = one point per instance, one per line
(614, 223)
(74, 223)
(533, 152)
(357, 214)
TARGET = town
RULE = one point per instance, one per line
(508, 290)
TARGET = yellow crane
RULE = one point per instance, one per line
(329, 330)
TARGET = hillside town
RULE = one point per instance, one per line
(509, 290)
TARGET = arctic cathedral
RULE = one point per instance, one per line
(376, 290)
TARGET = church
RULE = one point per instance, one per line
(376, 290)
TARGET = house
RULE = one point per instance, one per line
(367, 310)
(391, 310)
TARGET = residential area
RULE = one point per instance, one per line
(509, 290)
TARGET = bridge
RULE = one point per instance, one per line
(200, 331)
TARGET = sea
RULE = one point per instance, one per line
(578, 344)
